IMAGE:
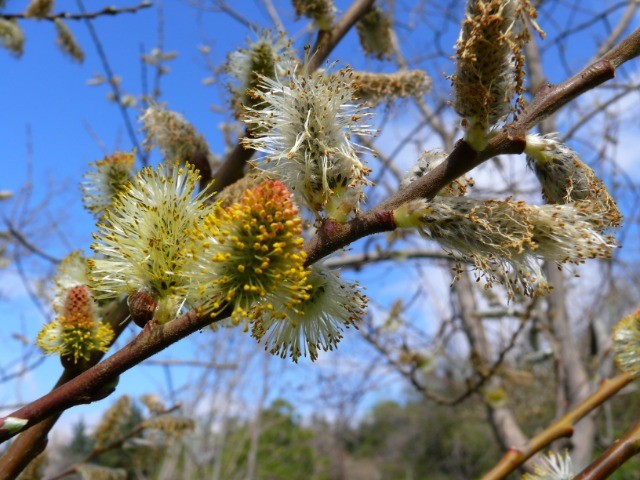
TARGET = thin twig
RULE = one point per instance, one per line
(22, 240)
(562, 427)
(107, 11)
(117, 96)
(624, 22)
(358, 260)
(273, 13)
(585, 118)
(234, 14)
(175, 362)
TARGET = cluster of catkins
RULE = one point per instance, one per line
(505, 239)
(167, 248)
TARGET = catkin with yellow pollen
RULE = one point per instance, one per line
(320, 11)
(552, 466)
(250, 254)
(376, 88)
(12, 36)
(67, 42)
(177, 139)
(269, 57)
(374, 32)
(77, 330)
(427, 162)
(105, 180)
(317, 323)
(306, 127)
(141, 244)
(626, 343)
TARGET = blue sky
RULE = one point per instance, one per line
(52, 124)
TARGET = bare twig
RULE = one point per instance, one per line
(584, 119)
(328, 39)
(273, 13)
(22, 240)
(613, 457)
(622, 25)
(117, 95)
(107, 11)
(558, 429)
(175, 362)
(234, 14)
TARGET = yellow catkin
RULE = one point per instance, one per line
(251, 253)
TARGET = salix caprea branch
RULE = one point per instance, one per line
(331, 237)
(43, 12)
(240, 258)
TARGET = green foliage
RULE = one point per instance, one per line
(122, 458)
(426, 441)
(81, 443)
(284, 449)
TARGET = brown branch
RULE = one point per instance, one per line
(31, 443)
(613, 457)
(99, 381)
(89, 386)
(231, 168)
(626, 50)
(562, 427)
(107, 11)
(549, 99)
(328, 39)
(463, 158)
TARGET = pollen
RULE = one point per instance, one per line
(271, 270)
